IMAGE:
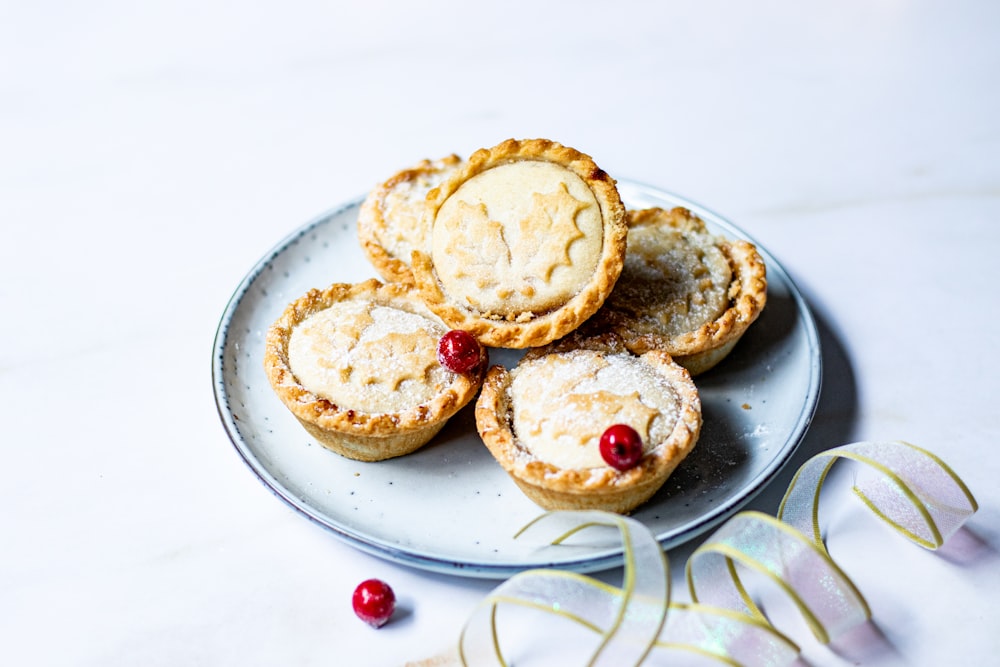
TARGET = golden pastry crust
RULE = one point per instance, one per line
(595, 486)
(683, 290)
(528, 240)
(391, 222)
(365, 427)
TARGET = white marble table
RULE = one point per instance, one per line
(151, 153)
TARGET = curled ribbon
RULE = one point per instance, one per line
(630, 622)
(915, 492)
(628, 619)
(912, 490)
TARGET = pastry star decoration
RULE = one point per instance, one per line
(490, 258)
(552, 222)
(333, 353)
(394, 358)
(586, 414)
(476, 247)
(389, 361)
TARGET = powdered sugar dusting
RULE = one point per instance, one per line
(673, 281)
(562, 403)
(368, 357)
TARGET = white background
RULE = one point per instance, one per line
(151, 153)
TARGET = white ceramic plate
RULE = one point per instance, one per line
(449, 507)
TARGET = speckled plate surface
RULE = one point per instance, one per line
(449, 507)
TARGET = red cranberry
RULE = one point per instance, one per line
(459, 352)
(374, 602)
(621, 446)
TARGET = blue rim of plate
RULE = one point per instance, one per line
(601, 559)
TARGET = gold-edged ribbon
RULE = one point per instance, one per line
(909, 488)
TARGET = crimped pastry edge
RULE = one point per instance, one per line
(608, 489)
(372, 220)
(703, 348)
(354, 433)
(546, 327)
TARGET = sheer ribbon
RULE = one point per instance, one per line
(909, 488)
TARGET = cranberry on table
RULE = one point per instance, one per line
(621, 446)
(374, 602)
(459, 352)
